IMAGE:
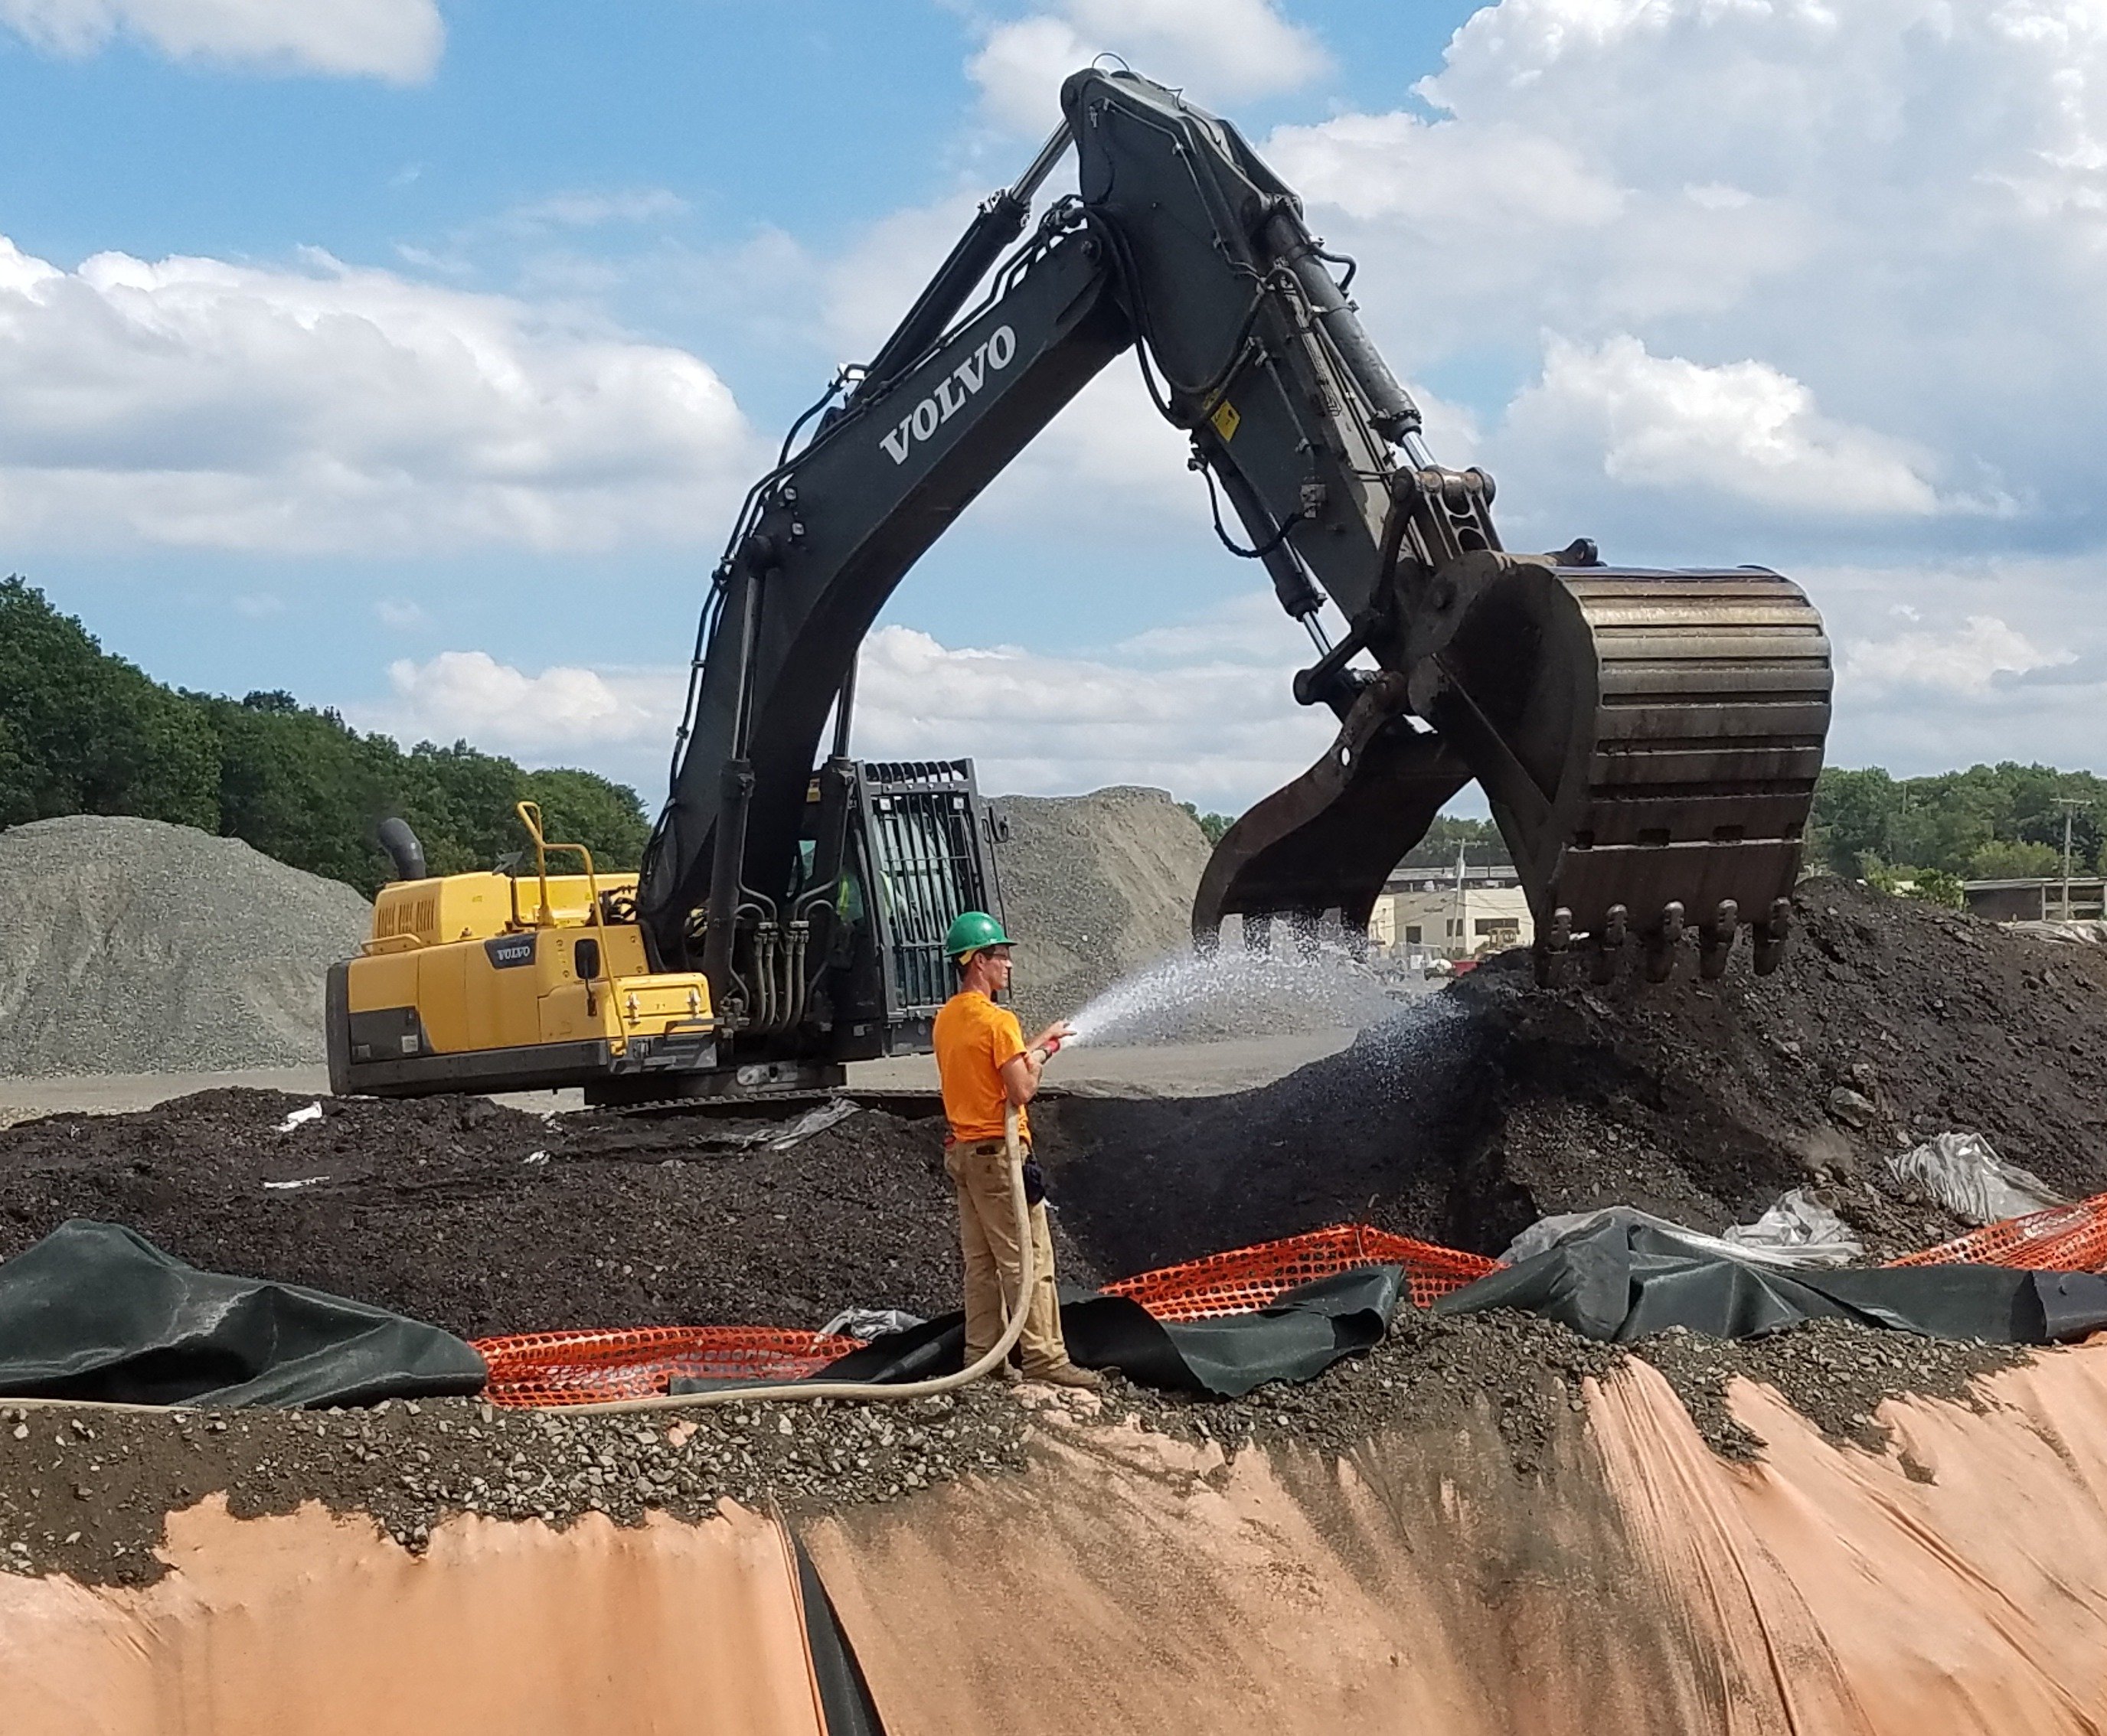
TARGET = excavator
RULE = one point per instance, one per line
(1648, 741)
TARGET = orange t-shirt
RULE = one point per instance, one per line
(974, 1039)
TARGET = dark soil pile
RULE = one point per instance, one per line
(487, 1220)
(1467, 1117)
(1460, 1121)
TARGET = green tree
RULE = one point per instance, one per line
(87, 733)
(1212, 825)
(2013, 859)
(583, 808)
(1989, 822)
(84, 732)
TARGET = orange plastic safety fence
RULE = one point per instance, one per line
(583, 1368)
(1247, 1278)
(2063, 1238)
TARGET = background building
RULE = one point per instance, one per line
(2038, 900)
(1455, 913)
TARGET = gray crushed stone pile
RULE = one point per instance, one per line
(1094, 886)
(133, 946)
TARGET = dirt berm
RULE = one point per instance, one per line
(1468, 1115)
(133, 946)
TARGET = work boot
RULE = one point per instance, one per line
(1066, 1374)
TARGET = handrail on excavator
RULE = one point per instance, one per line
(530, 817)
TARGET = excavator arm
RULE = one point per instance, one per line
(1648, 742)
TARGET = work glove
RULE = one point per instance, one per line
(1034, 1182)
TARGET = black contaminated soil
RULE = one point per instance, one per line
(487, 1220)
(1460, 1121)
(1472, 1114)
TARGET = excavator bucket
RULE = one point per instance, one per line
(1648, 742)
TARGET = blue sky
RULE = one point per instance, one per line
(409, 353)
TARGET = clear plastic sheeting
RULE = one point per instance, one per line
(869, 1323)
(1964, 1173)
(1799, 1231)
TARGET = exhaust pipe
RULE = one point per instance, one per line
(403, 849)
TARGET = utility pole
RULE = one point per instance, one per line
(2070, 804)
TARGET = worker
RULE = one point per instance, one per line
(985, 1064)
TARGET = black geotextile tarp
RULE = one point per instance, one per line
(1299, 1336)
(1624, 1280)
(96, 1312)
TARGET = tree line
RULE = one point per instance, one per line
(2003, 821)
(84, 732)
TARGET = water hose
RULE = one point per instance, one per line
(782, 1390)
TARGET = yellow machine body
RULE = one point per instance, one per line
(499, 982)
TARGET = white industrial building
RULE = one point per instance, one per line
(1422, 916)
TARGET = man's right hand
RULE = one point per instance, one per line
(1052, 1037)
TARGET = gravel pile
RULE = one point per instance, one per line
(133, 946)
(1094, 887)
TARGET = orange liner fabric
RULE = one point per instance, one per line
(2061, 1238)
(1245, 1279)
(582, 1368)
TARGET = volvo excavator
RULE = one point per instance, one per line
(1648, 741)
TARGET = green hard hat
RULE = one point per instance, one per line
(970, 931)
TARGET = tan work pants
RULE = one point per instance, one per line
(995, 1260)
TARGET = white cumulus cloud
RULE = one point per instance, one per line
(563, 711)
(399, 41)
(196, 403)
(1898, 207)
(1742, 429)
(1968, 659)
(1220, 49)
(1203, 709)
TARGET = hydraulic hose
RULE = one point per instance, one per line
(793, 1390)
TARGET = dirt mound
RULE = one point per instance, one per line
(486, 1220)
(131, 946)
(1094, 887)
(1464, 1118)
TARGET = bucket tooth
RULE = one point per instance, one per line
(1715, 940)
(1771, 936)
(1664, 944)
(1610, 941)
(1554, 945)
